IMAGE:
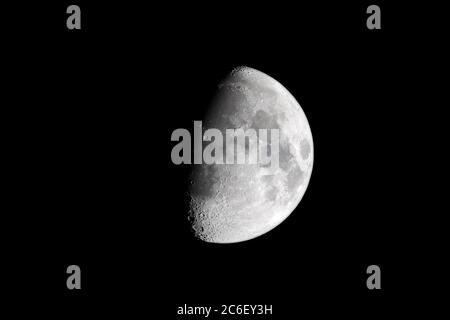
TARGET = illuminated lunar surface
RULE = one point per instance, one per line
(237, 202)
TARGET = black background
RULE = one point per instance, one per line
(92, 112)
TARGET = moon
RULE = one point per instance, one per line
(231, 203)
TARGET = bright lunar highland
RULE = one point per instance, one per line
(237, 202)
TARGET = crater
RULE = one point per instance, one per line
(203, 179)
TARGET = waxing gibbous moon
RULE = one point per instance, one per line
(237, 202)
